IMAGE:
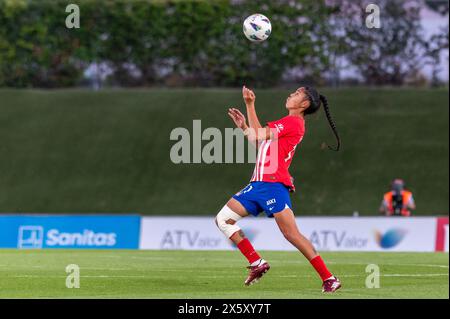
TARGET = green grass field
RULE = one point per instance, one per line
(218, 274)
(76, 151)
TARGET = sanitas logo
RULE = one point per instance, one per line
(86, 238)
(391, 238)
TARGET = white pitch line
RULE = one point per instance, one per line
(105, 269)
(227, 276)
(422, 265)
(391, 264)
(106, 276)
(85, 276)
(413, 275)
(382, 275)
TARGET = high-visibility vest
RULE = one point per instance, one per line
(406, 197)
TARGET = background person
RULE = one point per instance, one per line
(398, 201)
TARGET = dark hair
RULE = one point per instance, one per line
(315, 100)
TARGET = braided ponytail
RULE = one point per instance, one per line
(324, 101)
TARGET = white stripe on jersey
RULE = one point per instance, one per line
(263, 160)
(290, 153)
(253, 175)
(255, 172)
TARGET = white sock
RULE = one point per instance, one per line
(256, 263)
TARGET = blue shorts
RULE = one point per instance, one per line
(269, 197)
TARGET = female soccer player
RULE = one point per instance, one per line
(271, 182)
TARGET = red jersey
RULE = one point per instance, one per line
(275, 155)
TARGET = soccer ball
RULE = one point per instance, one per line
(257, 27)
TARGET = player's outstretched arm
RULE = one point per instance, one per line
(240, 122)
(249, 99)
(252, 135)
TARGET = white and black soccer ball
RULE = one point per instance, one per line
(257, 27)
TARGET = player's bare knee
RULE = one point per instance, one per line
(289, 235)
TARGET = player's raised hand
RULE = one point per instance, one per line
(248, 95)
(238, 118)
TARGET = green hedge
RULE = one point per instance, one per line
(108, 151)
(200, 42)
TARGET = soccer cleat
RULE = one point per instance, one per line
(331, 285)
(256, 272)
